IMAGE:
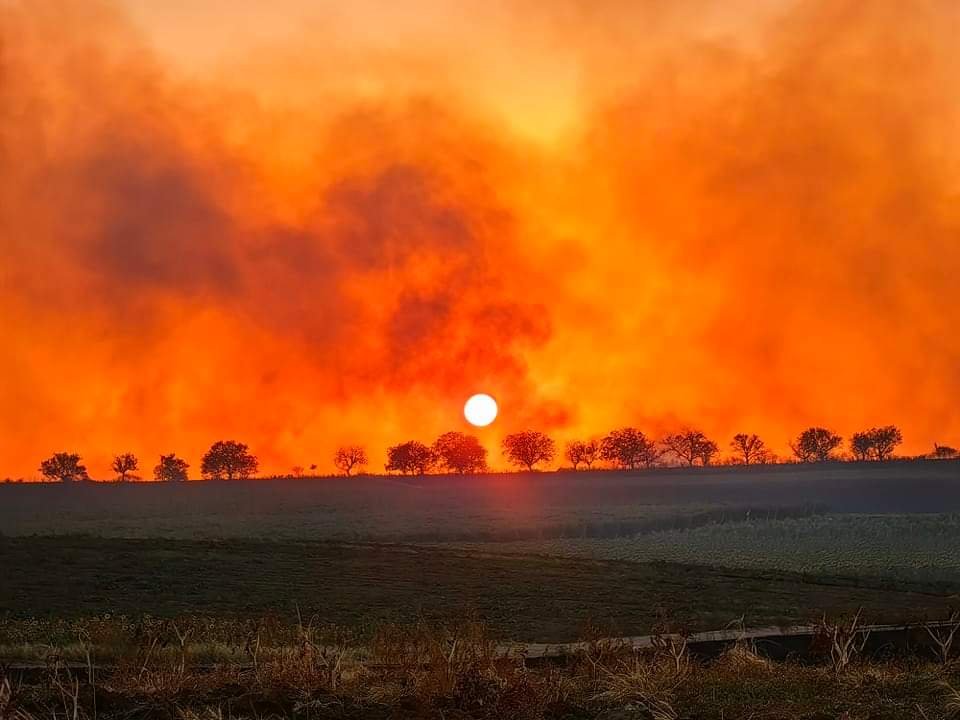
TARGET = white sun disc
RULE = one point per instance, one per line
(480, 410)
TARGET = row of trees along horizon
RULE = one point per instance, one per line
(456, 452)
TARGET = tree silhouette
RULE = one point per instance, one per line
(124, 466)
(861, 445)
(349, 457)
(628, 448)
(580, 451)
(526, 449)
(876, 443)
(64, 467)
(410, 458)
(297, 471)
(228, 460)
(171, 469)
(460, 453)
(885, 441)
(815, 444)
(749, 448)
(690, 446)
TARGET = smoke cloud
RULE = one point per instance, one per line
(654, 214)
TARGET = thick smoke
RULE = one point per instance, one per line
(746, 229)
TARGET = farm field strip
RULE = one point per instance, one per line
(924, 547)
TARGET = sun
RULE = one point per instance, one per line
(480, 410)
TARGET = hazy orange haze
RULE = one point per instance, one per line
(329, 223)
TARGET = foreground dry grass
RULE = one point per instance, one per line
(420, 671)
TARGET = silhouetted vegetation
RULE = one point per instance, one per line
(943, 452)
(410, 458)
(64, 467)
(456, 452)
(875, 443)
(815, 444)
(582, 452)
(460, 453)
(171, 469)
(690, 446)
(348, 458)
(124, 466)
(749, 449)
(629, 448)
(228, 460)
(526, 449)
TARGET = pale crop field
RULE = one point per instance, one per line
(923, 547)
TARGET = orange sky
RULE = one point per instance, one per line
(301, 224)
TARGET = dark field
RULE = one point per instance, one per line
(537, 556)
(491, 507)
(252, 599)
(523, 598)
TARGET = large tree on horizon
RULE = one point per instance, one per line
(749, 448)
(228, 460)
(64, 467)
(460, 453)
(124, 465)
(690, 446)
(410, 458)
(348, 457)
(527, 448)
(629, 448)
(170, 468)
(815, 444)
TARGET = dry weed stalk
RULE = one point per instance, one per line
(846, 640)
(673, 647)
(182, 637)
(943, 636)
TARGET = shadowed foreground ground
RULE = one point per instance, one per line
(523, 598)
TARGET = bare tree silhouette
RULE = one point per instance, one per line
(171, 469)
(815, 444)
(349, 457)
(228, 460)
(410, 458)
(690, 446)
(124, 466)
(628, 448)
(64, 467)
(460, 453)
(749, 448)
(583, 452)
(526, 449)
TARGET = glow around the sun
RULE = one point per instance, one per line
(480, 410)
